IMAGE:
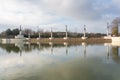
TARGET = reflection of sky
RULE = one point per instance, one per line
(15, 66)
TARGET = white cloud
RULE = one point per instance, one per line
(45, 12)
(15, 12)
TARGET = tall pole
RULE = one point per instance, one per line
(84, 30)
(39, 35)
(39, 32)
(51, 33)
(29, 35)
(107, 29)
(20, 31)
(66, 32)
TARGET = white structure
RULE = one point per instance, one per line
(51, 47)
(66, 45)
(39, 34)
(66, 33)
(51, 37)
(28, 36)
(20, 36)
(84, 34)
(115, 39)
(18, 39)
(108, 36)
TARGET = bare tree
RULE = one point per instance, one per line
(115, 25)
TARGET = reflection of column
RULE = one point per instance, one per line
(29, 45)
(66, 46)
(84, 45)
(84, 50)
(39, 46)
(20, 52)
(20, 46)
(108, 53)
(51, 47)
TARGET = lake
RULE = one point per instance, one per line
(59, 62)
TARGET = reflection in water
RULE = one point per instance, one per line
(108, 52)
(115, 53)
(51, 47)
(66, 47)
(44, 66)
(20, 46)
(84, 45)
(77, 69)
(39, 46)
(10, 48)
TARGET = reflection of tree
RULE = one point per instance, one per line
(115, 54)
(10, 47)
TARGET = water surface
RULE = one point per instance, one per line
(59, 62)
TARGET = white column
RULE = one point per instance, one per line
(66, 32)
(84, 30)
(29, 35)
(107, 29)
(51, 34)
(39, 35)
(20, 31)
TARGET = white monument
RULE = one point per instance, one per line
(108, 35)
(51, 37)
(66, 33)
(84, 34)
(19, 36)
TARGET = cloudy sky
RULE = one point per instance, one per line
(58, 13)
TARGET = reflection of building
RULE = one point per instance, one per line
(108, 52)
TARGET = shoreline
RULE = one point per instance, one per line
(70, 40)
